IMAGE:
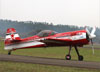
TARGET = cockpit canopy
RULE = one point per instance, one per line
(46, 33)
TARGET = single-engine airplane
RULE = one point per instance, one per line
(48, 38)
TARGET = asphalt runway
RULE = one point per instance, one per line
(49, 61)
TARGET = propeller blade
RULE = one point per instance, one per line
(93, 31)
(87, 37)
(87, 31)
(92, 46)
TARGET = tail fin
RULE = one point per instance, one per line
(93, 32)
(12, 35)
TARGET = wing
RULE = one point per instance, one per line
(57, 41)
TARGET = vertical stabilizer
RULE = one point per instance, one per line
(12, 35)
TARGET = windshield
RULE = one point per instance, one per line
(46, 33)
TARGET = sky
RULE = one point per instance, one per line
(71, 12)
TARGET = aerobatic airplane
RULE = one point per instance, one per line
(47, 38)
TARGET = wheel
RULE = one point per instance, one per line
(68, 57)
(80, 58)
(9, 53)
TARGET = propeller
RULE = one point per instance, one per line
(89, 37)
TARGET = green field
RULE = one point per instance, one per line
(50, 52)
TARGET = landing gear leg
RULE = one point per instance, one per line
(80, 57)
(68, 56)
(9, 52)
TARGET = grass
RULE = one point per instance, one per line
(59, 52)
(54, 52)
(25, 67)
